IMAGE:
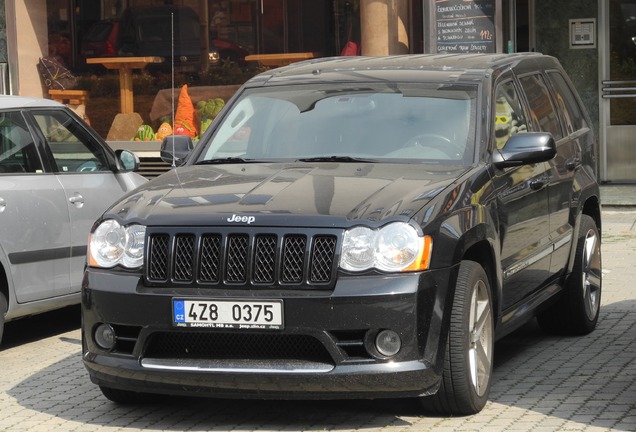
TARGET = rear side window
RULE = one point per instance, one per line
(541, 106)
(568, 106)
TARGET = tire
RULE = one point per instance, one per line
(124, 397)
(3, 310)
(468, 362)
(577, 311)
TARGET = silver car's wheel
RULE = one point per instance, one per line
(3, 310)
(468, 363)
(577, 311)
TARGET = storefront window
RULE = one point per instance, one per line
(622, 64)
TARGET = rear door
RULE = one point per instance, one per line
(567, 165)
(550, 113)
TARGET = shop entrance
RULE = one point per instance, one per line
(618, 83)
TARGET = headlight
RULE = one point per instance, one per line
(394, 247)
(111, 244)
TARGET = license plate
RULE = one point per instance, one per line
(230, 314)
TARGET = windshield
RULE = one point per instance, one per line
(372, 122)
(160, 29)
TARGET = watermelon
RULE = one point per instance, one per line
(144, 133)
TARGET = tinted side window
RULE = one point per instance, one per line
(541, 107)
(509, 117)
(569, 108)
(18, 153)
(74, 150)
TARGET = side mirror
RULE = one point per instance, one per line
(524, 149)
(175, 149)
(128, 160)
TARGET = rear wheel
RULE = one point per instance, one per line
(3, 310)
(468, 362)
(576, 312)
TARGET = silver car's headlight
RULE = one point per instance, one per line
(395, 247)
(112, 244)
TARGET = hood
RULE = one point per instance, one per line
(332, 194)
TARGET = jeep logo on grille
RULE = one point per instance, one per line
(241, 219)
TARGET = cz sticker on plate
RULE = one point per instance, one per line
(231, 314)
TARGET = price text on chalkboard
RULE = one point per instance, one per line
(465, 26)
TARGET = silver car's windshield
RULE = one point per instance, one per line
(374, 122)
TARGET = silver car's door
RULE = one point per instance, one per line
(34, 217)
(86, 173)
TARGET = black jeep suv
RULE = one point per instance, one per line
(353, 227)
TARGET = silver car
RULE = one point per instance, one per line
(56, 177)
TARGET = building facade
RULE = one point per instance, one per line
(592, 39)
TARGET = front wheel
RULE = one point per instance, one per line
(576, 312)
(124, 397)
(468, 362)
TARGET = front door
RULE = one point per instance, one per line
(523, 200)
(618, 82)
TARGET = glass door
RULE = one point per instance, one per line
(618, 83)
(517, 23)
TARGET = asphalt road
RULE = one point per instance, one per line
(541, 383)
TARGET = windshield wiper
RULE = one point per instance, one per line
(226, 160)
(334, 159)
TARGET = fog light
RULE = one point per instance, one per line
(105, 336)
(388, 343)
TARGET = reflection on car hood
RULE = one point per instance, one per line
(338, 193)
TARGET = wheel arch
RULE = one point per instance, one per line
(4, 283)
(592, 208)
(483, 253)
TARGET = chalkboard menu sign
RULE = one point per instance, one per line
(465, 26)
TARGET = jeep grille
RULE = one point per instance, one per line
(241, 259)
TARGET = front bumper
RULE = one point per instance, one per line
(325, 350)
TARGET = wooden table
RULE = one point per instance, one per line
(125, 65)
(282, 59)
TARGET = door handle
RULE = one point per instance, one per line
(77, 200)
(571, 164)
(539, 182)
